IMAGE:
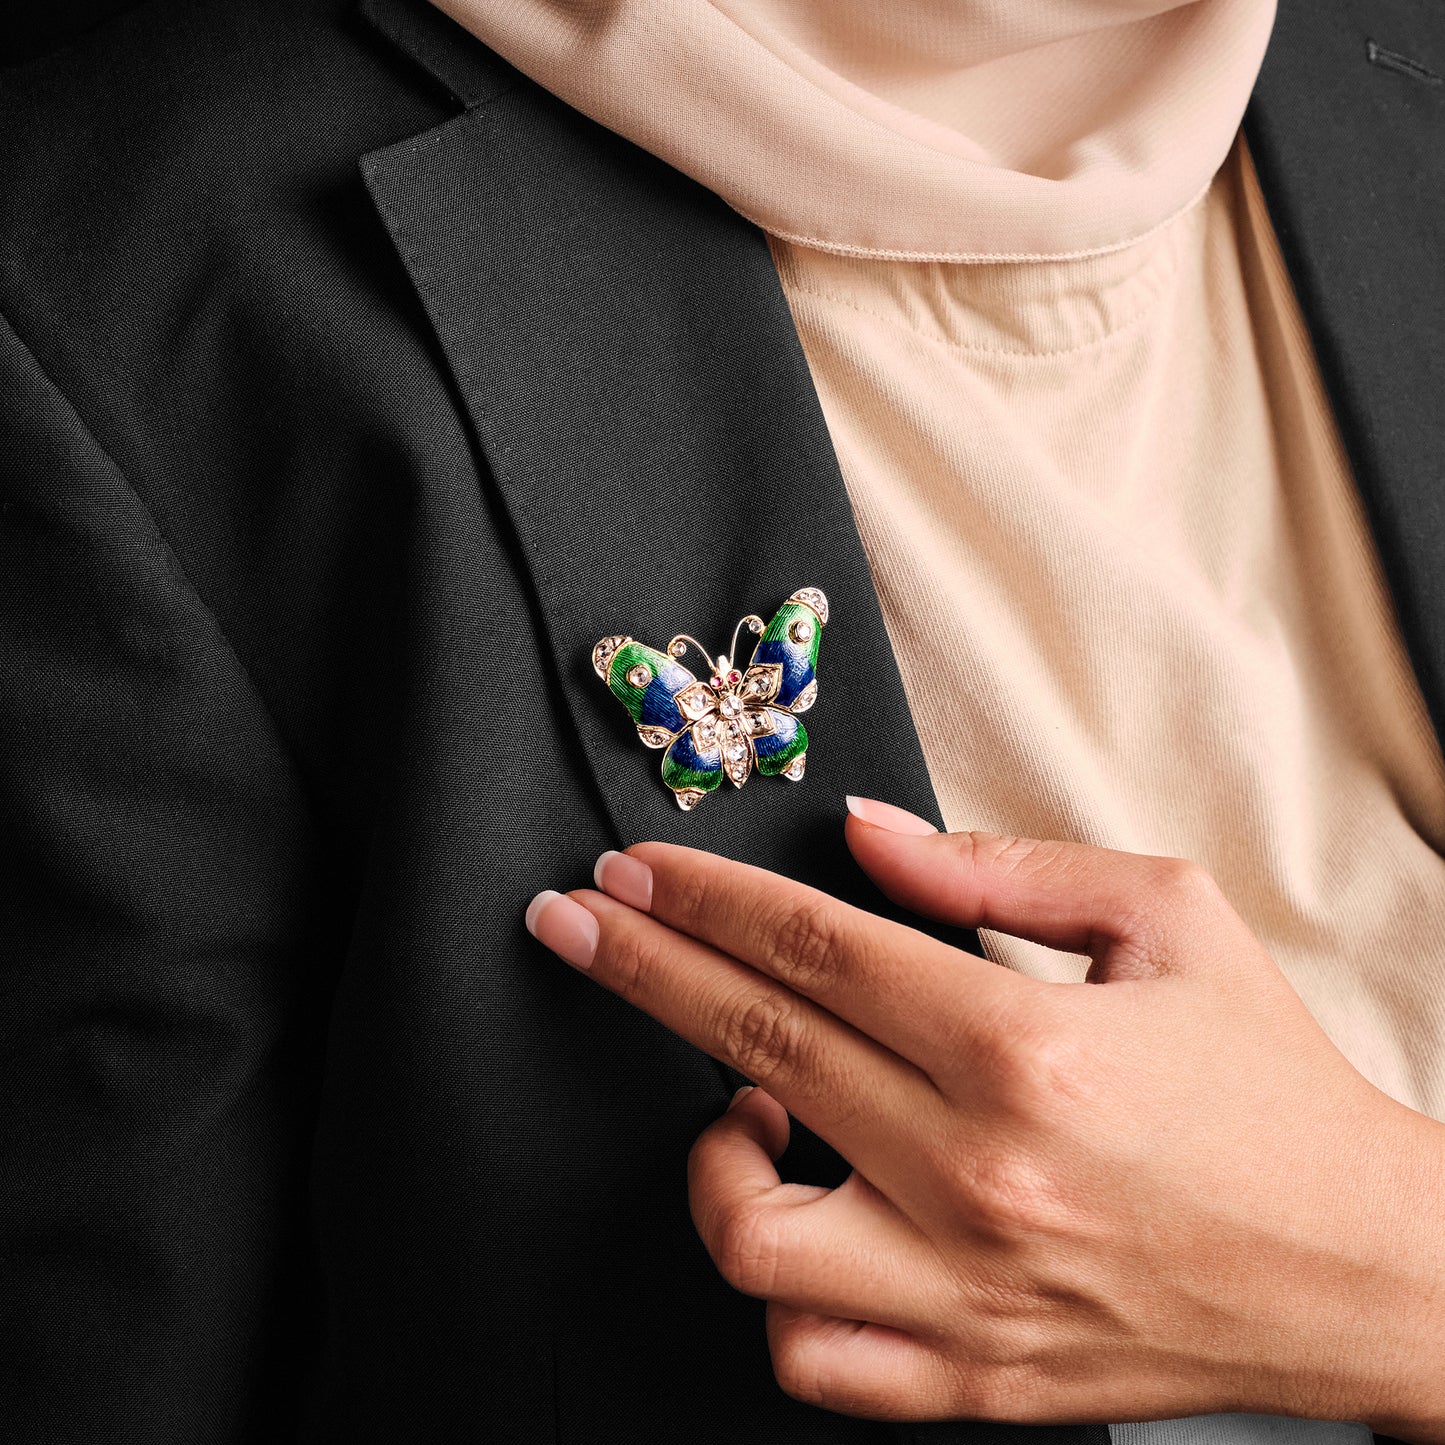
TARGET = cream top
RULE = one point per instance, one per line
(1134, 596)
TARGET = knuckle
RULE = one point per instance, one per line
(804, 946)
(1043, 1067)
(745, 1250)
(761, 1036)
(1181, 880)
(1033, 1061)
(688, 896)
(1176, 891)
(1005, 854)
(1007, 1393)
(798, 1365)
(633, 963)
(1011, 1195)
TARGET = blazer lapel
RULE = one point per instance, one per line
(1347, 131)
(620, 341)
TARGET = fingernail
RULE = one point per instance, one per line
(627, 879)
(564, 926)
(738, 1097)
(885, 815)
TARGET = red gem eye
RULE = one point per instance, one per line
(716, 680)
(734, 678)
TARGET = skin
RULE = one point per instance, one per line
(1160, 1193)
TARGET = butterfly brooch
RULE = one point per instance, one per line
(740, 719)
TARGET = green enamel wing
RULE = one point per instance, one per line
(742, 719)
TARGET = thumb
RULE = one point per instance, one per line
(1134, 914)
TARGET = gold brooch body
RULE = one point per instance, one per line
(741, 719)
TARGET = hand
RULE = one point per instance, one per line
(1161, 1193)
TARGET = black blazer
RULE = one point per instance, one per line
(353, 387)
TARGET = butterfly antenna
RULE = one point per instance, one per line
(753, 623)
(678, 646)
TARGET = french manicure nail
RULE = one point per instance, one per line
(627, 879)
(564, 926)
(885, 815)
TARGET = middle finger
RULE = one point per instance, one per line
(848, 1088)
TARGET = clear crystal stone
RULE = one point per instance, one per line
(794, 770)
(603, 653)
(689, 798)
(730, 706)
(639, 674)
(737, 752)
(696, 700)
(757, 722)
(806, 698)
(761, 682)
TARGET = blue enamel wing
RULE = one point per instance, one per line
(739, 720)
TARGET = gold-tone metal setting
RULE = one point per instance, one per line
(813, 598)
(603, 654)
(726, 713)
(761, 682)
(695, 700)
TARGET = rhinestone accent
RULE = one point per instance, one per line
(654, 737)
(800, 630)
(639, 674)
(737, 755)
(730, 705)
(603, 654)
(762, 682)
(704, 733)
(812, 597)
(695, 700)
(757, 723)
(689, 798)
(794, 771)
(806, 698)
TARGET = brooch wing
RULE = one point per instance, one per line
(782, 681)
(669, 706)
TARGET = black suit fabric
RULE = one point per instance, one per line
(352, 388)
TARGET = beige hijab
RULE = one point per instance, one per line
(923, 129)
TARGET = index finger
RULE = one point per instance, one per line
(891, 982)
(848, 1088)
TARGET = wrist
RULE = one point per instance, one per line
(1397, 1301)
